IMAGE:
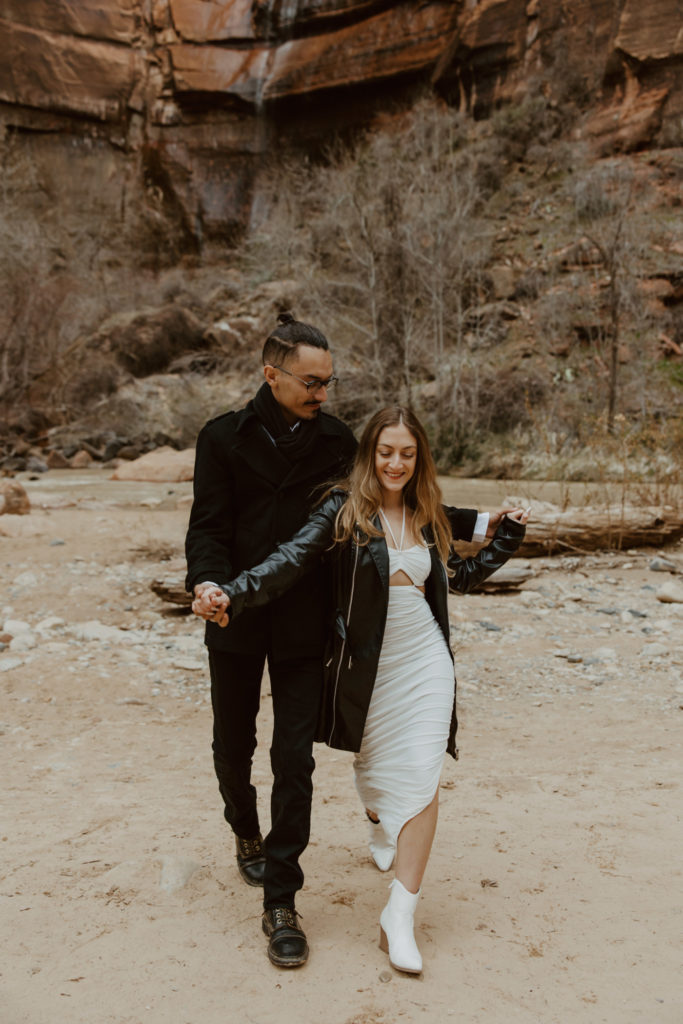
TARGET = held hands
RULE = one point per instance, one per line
(519, 515)
(211, 603)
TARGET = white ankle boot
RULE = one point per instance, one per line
(382, 849)
(396, 929)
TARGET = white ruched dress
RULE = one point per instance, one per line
(398, 766)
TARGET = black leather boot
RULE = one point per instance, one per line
(287, 946)
(251, 859)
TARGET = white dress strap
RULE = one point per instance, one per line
(399, 547)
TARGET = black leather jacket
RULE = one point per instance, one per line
(359, 577)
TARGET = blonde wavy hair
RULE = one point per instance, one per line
(421, 494)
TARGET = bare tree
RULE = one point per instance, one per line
(604, 205)
(392, 249)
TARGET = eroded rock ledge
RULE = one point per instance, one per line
(203, 88)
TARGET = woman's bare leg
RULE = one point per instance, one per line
(414, 846)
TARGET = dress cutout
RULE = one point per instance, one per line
(414, 562)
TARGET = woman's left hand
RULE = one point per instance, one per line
(519, 515)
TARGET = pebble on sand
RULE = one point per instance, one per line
(176, 872)
(671, 593)
(663, 565)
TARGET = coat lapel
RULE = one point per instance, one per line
(325, 458)
(314, 466)
(263, 457)
(260, 455)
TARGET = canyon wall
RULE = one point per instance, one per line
(189, 97)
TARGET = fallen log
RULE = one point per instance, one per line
(552, 530)
(171, 589)
(171, 586)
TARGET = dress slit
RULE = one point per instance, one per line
(398, 767)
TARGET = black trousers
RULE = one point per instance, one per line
(296, 687)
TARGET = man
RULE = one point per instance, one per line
(257, 474)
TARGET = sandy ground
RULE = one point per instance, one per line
(554, 890)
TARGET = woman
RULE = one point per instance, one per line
(389, 690)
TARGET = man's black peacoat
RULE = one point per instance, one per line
(247, 498)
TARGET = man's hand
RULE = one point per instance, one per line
(211, 603)
(520, 515)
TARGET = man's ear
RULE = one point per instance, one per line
(270, 373)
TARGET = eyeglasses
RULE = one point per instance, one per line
(311, 385)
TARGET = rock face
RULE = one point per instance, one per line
(192, 93)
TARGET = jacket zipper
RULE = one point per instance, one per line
(448, 621)
(341, 654)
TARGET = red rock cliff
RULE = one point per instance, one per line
(200, 89)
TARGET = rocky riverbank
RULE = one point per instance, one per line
(554, 889)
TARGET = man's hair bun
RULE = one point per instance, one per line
(289, 333)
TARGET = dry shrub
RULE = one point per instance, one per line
(517, 126)
(66, 268)
(505, 397)
(87, 385)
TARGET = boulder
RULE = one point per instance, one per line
(163, 465)
(81, 460)
(671, 593)
(57, 460)
(145, 341)
(13, 499)
(159, 410)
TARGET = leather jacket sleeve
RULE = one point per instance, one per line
(468, 573)
(288, 563)
(462, 522)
